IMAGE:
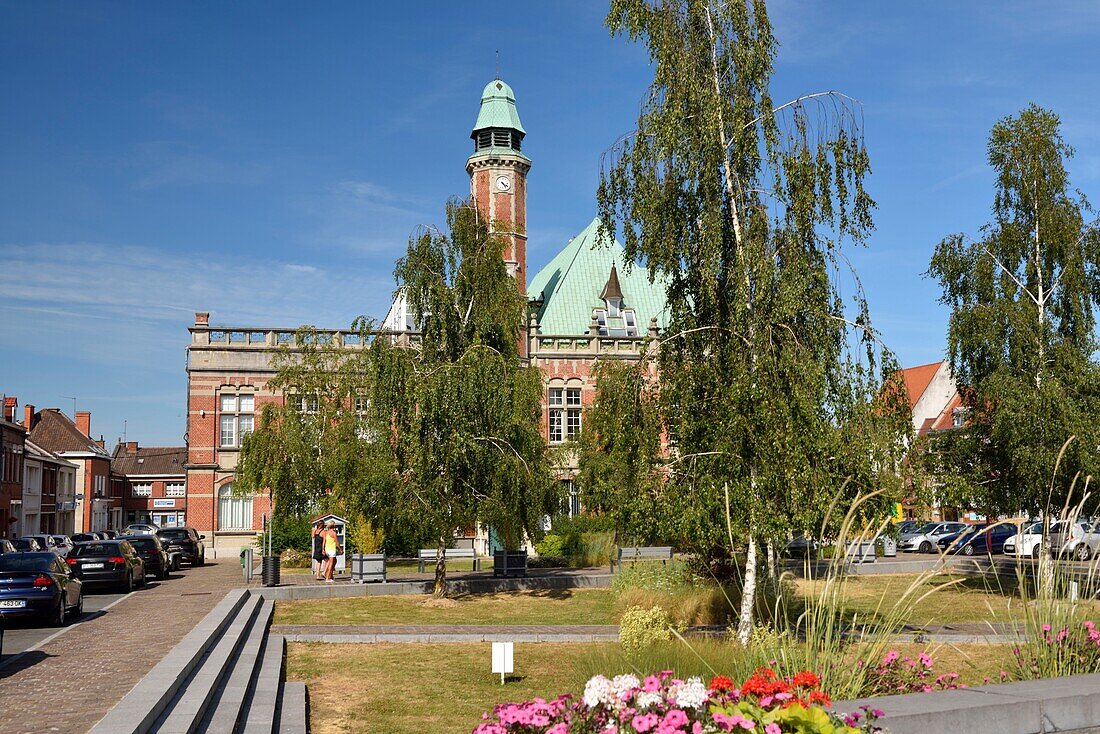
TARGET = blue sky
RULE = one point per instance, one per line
(267, 161)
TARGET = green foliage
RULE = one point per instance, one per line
(770, 386)
(286, 533)
(293, 558)
(1021, 339)
(640, 628)
(364, 537)
(586, 522)
(653, 576)
(574, 548)
(555, 545)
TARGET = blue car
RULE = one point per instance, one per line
(984, 539)
(39, 584)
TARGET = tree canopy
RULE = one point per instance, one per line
(1021, 338)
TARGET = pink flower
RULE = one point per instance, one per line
(558, 728)
(645, 722)
(890, 657)
(772, 728)
(1046, 628)
(652, 684)
(675, 718)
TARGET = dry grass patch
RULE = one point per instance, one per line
(557, 607)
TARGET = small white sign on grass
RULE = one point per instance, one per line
(502, 658)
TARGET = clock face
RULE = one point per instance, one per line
(504, 183)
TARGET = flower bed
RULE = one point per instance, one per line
(660, 704)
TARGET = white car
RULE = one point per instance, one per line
(929, 536)
(1027, 542)
(141, 528)
(1078, 540)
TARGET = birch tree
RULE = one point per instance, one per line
(744, 204)
(1022, 338)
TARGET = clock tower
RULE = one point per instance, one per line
(498, 174)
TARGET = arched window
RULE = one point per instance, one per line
(234, 513)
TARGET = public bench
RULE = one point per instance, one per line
(428, 554)
(662, 553)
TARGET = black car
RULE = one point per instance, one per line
(187, 542)
(152, 552)
(112, 562)
(28, 545)
(85, 537)
(7, 547)
(39, 584)
(109, 534)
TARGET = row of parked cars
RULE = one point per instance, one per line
(46, 575)
(1078, 539)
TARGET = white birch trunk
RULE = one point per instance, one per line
(748, 596)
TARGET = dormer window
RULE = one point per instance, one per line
(600, 314)
(614, 307)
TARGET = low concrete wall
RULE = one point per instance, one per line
(457, 586)
(1069, 704)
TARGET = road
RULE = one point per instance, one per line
(24, 635)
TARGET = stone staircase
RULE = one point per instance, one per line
(224, 677)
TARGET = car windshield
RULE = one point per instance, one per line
(173, 534)
(143, 543)
(59, 539)
(23, 543)
(97, 549)
(26, 562)
(928, 527)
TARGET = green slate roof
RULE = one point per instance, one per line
(498, 108)
(570, 286)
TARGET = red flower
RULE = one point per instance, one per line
(806, 679)
(821, 698)
(721, 683)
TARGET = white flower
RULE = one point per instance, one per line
(597, 691)
(691, 694)
(648, 699)
(622, 685)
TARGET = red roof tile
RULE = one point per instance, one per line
(55, 432)
(150, 460)
(917, 380)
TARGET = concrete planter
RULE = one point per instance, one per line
(510, 564)
(368, 567)
(861, 552)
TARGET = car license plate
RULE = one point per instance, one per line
(92, 565)
(12, 603)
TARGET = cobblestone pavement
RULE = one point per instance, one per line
(70, 682)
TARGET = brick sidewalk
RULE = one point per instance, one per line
(69, 683)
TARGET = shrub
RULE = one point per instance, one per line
(898, 673)
(640, 628)
(551, 544)
(291, 558)
(364, 537)
(286, 532)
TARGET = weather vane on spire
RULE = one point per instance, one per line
(498, 64)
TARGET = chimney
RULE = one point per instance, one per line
(28, 417)
(10, 405)
(202, 318)
(84, 422)
(131, 447)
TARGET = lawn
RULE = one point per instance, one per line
(444, 689)
(565, 606)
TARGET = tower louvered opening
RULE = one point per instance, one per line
(497, 138)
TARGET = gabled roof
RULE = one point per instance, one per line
(34, 451)
(570, 285)
(917, 380)
(946, 419)
(55, 432)
(149, 460)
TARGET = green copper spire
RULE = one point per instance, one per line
(498, 109)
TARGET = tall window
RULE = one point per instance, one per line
(175, 489)
(361, 404)
(564, 413)
(237, 419)
(142, 490)
(573, 495)
(234, 513)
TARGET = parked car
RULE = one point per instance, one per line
(141, 528)
(984, 539)
(917, 528)
(907, 527)
(187, 542)
(112, 562)
(108, 534)
(1075, 539)
(29, 545)
(152, 552)
(1027, 541)
(7, 547)
(39, 584)
(930, 534)
(63, 541)
(46, 542)
(85, 537)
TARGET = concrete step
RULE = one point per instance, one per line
(226, 709)
(294, 709)
(261, 707)
(186, 710)
(140, 709)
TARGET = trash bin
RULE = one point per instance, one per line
(889, 547)
(269, 570)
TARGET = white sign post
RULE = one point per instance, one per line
(502, 658)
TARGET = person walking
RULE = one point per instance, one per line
(331, 548)
(317, 552)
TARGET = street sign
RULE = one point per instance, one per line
(502, 658)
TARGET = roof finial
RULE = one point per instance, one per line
(498, 64)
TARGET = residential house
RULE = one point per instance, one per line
(154, 483)
(936, 406)
(12, 445)
(48, 492)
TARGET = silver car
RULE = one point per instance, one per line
(46, 542)
(1076, 539)
(925, 541)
